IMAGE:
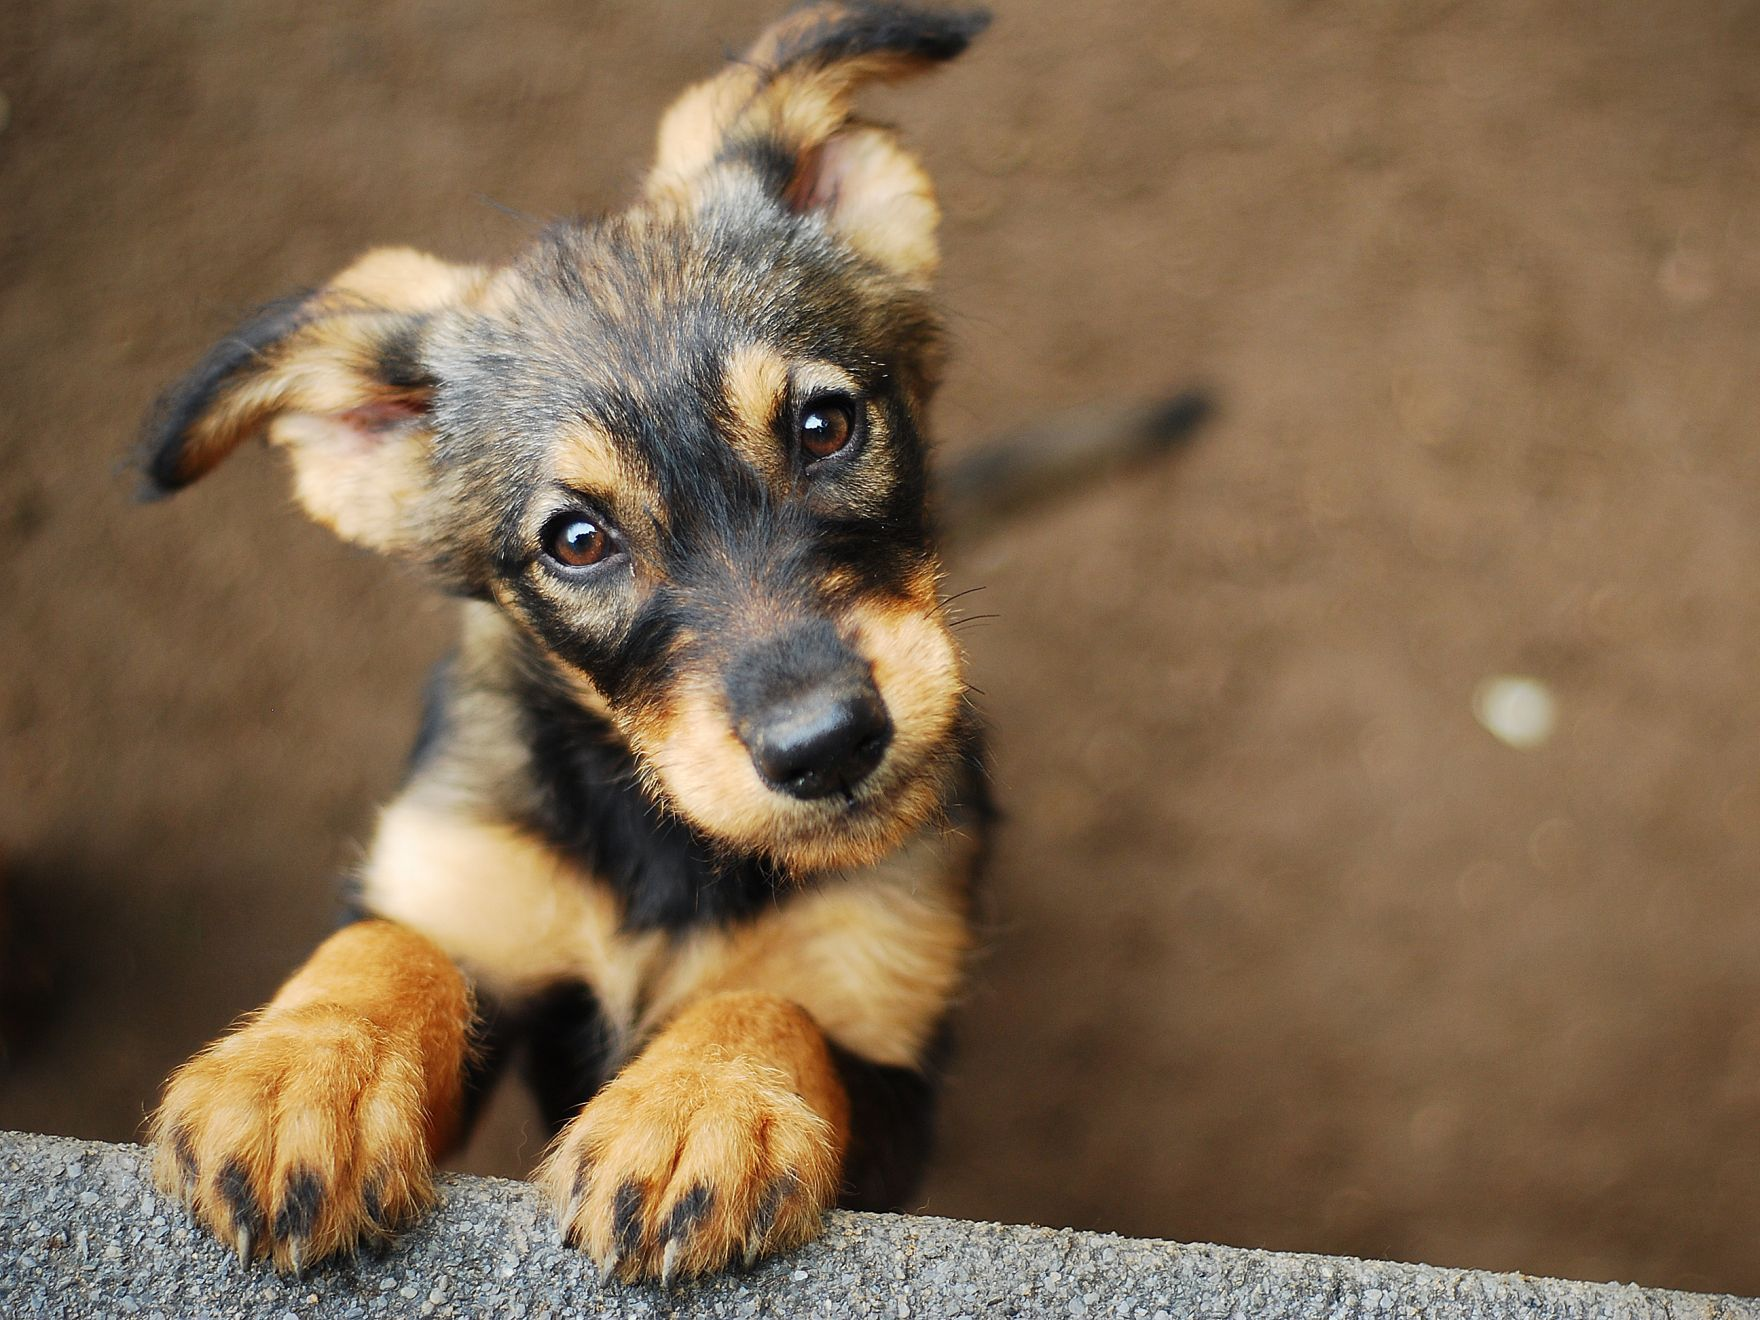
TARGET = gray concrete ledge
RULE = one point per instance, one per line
(82, 1233)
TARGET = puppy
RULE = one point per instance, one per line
(691, 825)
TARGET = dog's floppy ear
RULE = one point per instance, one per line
(335, 378)
(784, 111)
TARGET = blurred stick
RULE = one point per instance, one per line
(1054, 458)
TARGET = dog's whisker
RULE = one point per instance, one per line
(948, 600)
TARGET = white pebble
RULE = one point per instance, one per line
(1515, 710)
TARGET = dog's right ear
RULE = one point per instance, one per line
(336, 378)
(785, 112)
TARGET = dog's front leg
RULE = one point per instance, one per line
(316, 1123)
(722, 1141)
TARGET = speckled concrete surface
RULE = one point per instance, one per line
(83, 1234)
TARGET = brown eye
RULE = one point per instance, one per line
(574, 540)
(826, 426)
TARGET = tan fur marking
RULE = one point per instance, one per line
(587, 460)
(723, 1141)
(315, 1124)
(916, 667)
(366, 488)
(507, 907)
(404, 984)
(705, 768)
(840, 579)
(692, 130)
(404, 280)
(879, 199)
(824, 378)
(707, 774)
(756, 385)
(876, 958)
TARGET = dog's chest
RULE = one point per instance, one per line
(872, 956)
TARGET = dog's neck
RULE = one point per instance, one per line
(588, 802)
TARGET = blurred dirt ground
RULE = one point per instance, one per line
(1286, 950)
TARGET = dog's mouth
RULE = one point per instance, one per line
(851, 816)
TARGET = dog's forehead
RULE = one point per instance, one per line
(646, 327)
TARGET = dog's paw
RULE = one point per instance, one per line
(682, 1167)
(298, 1136)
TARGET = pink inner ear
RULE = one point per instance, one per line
(873, 194)
(381, 415)
(818, 176)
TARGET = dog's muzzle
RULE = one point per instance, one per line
(807, 710)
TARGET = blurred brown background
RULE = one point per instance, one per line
(1287, 950)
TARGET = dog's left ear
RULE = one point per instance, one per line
(334, 377)
(784, 112)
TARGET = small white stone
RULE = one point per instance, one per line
(1516, 710)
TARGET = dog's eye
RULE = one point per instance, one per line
(574, 540)
(827, 424)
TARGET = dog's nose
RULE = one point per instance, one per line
(822, 743)
(806, 708)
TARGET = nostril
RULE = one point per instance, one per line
(821, 744)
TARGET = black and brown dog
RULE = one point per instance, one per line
(694, 814)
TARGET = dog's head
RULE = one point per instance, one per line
(680, 447)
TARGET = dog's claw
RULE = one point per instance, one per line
(669, 1262)
(243, 1245)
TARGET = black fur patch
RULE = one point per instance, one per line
(234, 1186)
(568, 1051)
(892, 1127)
(692, 1209)
(373, 1202)
(167, 426)
(434, 724)
(399, 361)
(591, 807)
(865, 28)
(626, 1216)
(494, 1035)
(301, 1200)
(779, 1190)
(186, 1153)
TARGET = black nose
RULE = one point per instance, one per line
(820, 743)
